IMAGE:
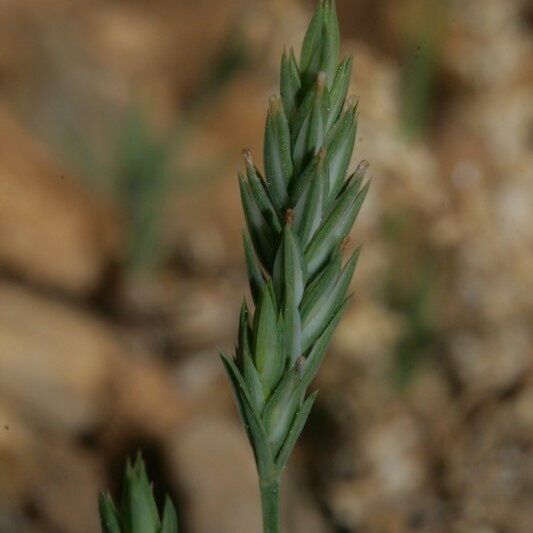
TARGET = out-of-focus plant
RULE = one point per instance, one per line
(137, 512)
(297, 221)
(423, 36)
(141, 181)
(146, 163)
(412, 290)
(417, 303)
(140, 167)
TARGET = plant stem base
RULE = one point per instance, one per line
(270, 501)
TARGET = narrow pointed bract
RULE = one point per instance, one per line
(277, 152)
(298, 219)
(290, 84)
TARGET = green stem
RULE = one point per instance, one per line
(270, 502)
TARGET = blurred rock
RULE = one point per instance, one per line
(17, 442)
(94, 61)
(53, 233)
(367, 334)
(394, 452)
(203, 315)
(204, 223)
(492, 362)
(142, 398)
(65, 490)
(214, 464)
(395, 469)
(489, 471)
(54, 360)
(300, 511)
(180, 316)
(59, 367)
(489, 44)
(56, 482)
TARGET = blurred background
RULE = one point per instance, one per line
(121, 268)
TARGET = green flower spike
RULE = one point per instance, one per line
(298, 217)
(138, 511)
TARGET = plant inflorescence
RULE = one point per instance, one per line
(137, 512)
(298, 217)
